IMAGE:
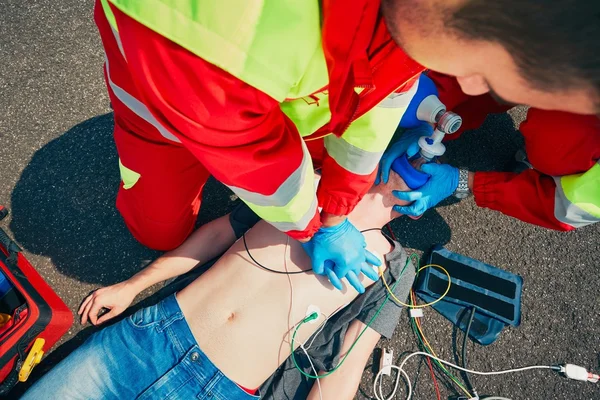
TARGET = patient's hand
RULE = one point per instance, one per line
(115, 298)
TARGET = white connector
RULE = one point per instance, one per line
(578, 373)
(416, 312)
(386, 362)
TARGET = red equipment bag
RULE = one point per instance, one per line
(32, 317)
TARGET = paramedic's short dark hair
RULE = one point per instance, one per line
(555, 43)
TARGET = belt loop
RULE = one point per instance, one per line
(165, 323)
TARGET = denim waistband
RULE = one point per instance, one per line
(207, 374)
(174, 318)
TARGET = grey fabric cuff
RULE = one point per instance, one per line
(400, 270)
(242, 218)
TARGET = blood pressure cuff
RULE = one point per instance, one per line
(494, 293)
(242, 218)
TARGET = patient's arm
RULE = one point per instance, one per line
(344, 383)
(208, 242)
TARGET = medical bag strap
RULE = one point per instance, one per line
(10, 246)
(13, 377)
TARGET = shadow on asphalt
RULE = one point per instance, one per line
(64, 207)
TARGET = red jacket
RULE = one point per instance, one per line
(218, 117)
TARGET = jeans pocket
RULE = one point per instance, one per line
(146, 317)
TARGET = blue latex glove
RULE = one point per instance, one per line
(408, 143)
(443, 183)
(339, 252)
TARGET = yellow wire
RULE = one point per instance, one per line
(318, 137)
(415, 305)
(419, 270)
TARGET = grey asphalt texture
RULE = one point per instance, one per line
(59, 176)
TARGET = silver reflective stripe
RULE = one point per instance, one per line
(118, 39)
(299, 225)
(286, 191)
(138, 107)
(350, 157)
(400, 100)
(570, 213)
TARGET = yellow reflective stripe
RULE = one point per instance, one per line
(373, 131)
(128, 176)
(296, 214)
(109, 14)
(300, 224)
(577, 198)
(351, 158)
(286, 191)
(238, 36)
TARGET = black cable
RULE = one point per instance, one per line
(303, 270)
(385, 235)
(269, 269)
(464, 352)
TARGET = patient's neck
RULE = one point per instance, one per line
(371, 212)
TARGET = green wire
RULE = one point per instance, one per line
(414, 257)
(417, 334)
(437, 363)
(387, 298)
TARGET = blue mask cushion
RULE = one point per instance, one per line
(413, 178)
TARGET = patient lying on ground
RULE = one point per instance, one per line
(231, 324)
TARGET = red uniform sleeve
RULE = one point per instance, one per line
(340, 190)
(557, 144)
(238, 132)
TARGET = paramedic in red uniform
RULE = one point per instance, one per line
(561, 188)
(258, 93)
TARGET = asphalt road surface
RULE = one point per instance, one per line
(59, 175)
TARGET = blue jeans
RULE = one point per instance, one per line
(150, 355)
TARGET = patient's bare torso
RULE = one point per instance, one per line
(241, 314)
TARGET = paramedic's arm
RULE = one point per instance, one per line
(351, 161)
(344, 382)
(564, 149)
(208, 242)
(236, 131)
(535, 198)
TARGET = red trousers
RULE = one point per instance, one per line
(161, 207)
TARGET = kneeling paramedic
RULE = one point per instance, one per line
(559, 187)
(192, 99)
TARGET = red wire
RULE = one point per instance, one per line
(435, 384)
(433, 378)
(389, 227)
